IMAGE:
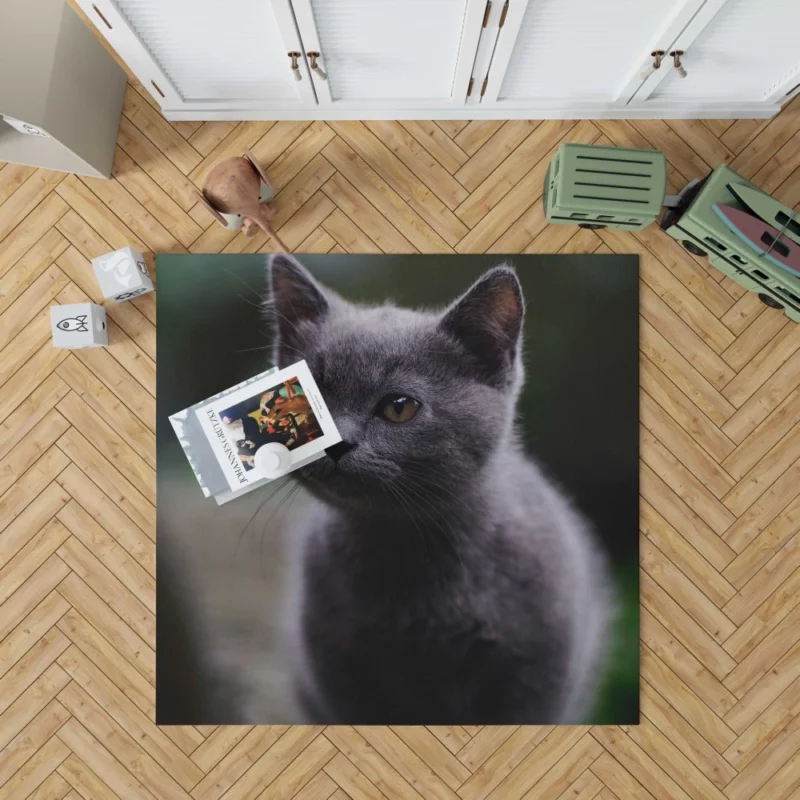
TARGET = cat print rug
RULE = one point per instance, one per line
(453, 535)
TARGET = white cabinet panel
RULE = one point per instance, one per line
(574, 50)
(482, 59)
(387, 52)
(207, 51)
(236, 51)
(748, 51)
(568, 48)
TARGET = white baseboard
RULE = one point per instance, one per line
(739, 111)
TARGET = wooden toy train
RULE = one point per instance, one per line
(745, 233)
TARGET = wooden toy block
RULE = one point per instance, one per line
(79, 325)
(122, 275)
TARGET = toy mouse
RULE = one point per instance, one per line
(237, 192)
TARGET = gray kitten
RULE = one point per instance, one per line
(443, 579)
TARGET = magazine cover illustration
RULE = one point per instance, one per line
(285, 408)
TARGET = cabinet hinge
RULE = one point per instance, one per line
(469, 88)
(487, 12)
(503, 15)
(483, 88)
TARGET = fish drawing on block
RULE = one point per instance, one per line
(77, 324)
(763, 238)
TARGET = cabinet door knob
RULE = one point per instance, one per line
(657, 55)
(676, 60)
(295, 66)
(313, 56)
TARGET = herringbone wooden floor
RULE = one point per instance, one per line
(720, 507)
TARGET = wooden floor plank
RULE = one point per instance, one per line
(31, 629)
(683, 555)
(689, 633)
(154, 199)
(30, 267)
(120, 744)
(31, 738)
(12, 176)
(493, 152)
(679, 734)
(130, 463)
(92, 770)
(103, 473)
(104, 619)
(30, 231)
(25, 199)
(162, 171)
(402, 181)
(437, 143)
(501, 180)
(419, 161)
(297, 153)
(159, 131)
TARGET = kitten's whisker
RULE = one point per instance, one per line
(439, 524)
(249, 302)
(243, 282)
(251, 349)
(292, 488)
(296, 350)
(428, 478)
(261, 505)
(270, 492)
(272, 310)
(406, 503)
(424, 483)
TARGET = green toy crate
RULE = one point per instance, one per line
(597, 187)
(696, 225)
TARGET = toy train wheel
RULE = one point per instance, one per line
(592, 226)
(693, 248)
(769, 301)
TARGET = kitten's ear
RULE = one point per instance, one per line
(487, 321)
(298, 303)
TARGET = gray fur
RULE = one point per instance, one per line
(442, 578)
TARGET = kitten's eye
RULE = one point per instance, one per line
(398, 407)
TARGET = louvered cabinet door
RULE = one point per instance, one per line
(204, 55)
(578, 53)
(389, 54)
(737, 51)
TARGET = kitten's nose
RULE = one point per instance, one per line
(336, 451)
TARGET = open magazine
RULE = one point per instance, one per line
(281, 408)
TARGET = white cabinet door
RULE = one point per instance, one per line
(736, 51)
(208, 54)
(390, 54)
(578, 53)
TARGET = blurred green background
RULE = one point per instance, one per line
(578, 416)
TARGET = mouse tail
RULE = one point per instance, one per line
(270, 231)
